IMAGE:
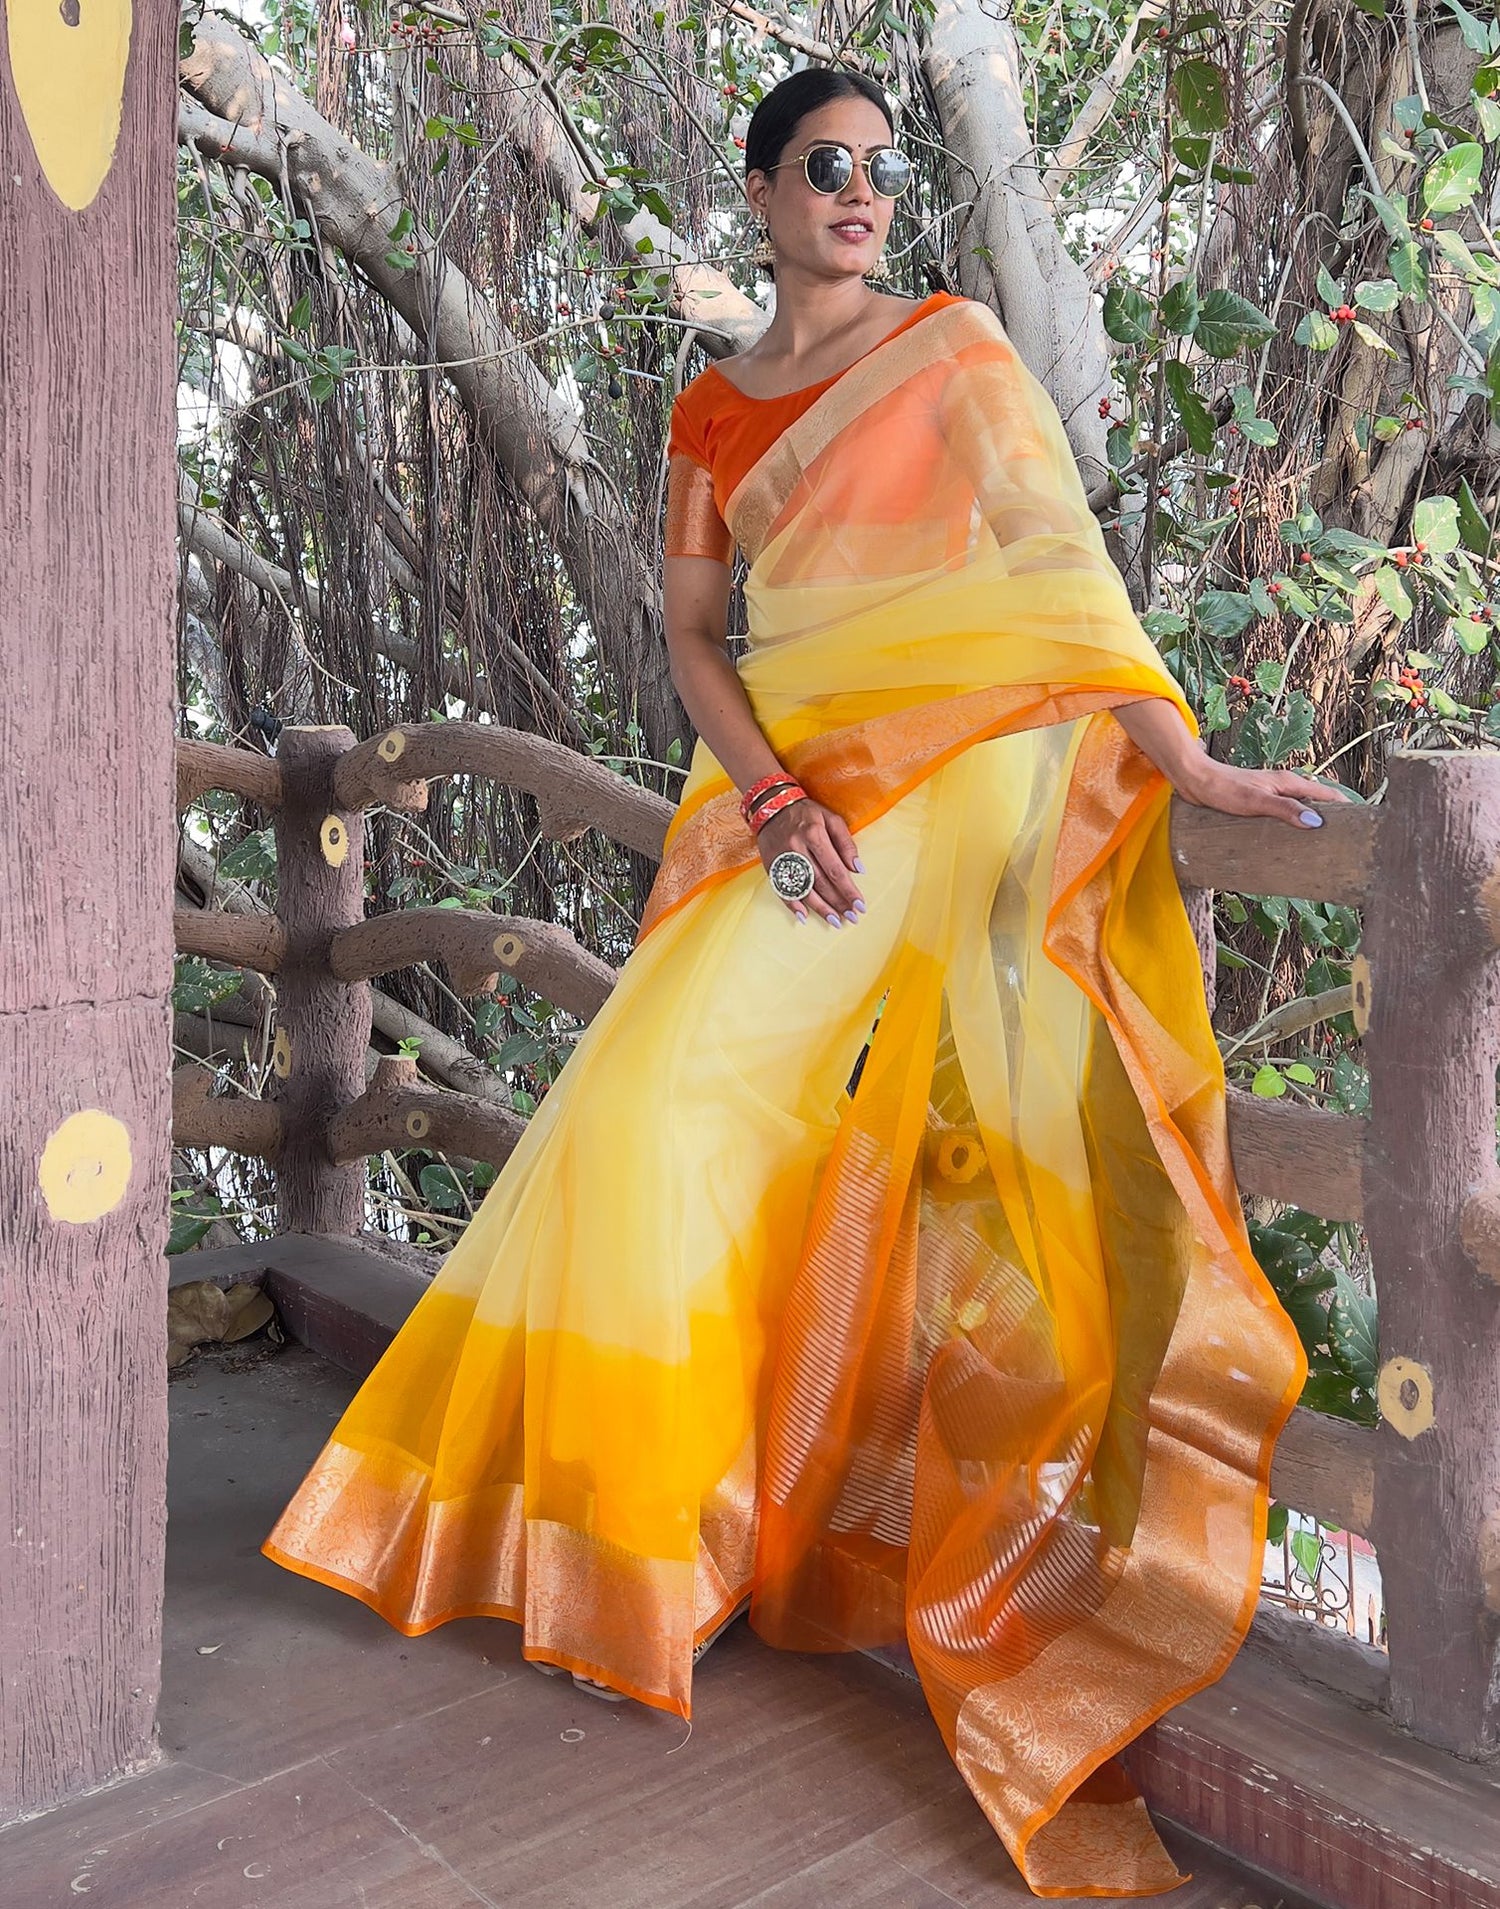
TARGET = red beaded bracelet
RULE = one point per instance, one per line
(752, 795)
(773, 805)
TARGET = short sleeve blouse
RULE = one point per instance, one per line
(694, 527)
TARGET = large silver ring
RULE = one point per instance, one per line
(792, 875)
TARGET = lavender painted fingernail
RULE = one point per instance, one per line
(859, 907)
(834, 922)
(859, 867)
(1310, 819)
(850, 915)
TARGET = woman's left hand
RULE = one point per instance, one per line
(1280, 793)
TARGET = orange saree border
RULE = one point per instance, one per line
(554, 1581)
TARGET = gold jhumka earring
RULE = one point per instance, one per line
(761, 254)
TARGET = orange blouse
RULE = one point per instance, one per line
(717, 433)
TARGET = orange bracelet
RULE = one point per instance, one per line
(773, 805)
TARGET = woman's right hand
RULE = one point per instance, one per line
(807, 828)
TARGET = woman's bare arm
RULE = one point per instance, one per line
(695, 609)
(1156, 726)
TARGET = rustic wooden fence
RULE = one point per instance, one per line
(1419, 1171)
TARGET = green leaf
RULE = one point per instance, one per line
(1476, 33)
(1197, 421)
(1270, 675)
(1224, 612)
(1470, 636)
(1276, 1521)
(1393, 592)
(1268, 1084)
(1290, 733)
(1372, 338)
(1127, 316)
(1352, 1332)
(1198, 88)
(1453, 178)
(1260, 596)
(1377, 294)
(1392, 216)
(1228, 324)
(1351, 543)
(1317, 331)
(1473, 525)
(1191, 151)
(300, 316)
(1330, 289)
(1179, 306)
(1300, 1072)
(251, 860)
(1160, 623)
(1488, 115)
(1307, 1551)
(441, 1189)
(1408, 266)
(403, 224)
(1434, 523)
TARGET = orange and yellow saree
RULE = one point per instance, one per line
(973, 1357)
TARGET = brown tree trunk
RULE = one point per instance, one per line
(86, 518)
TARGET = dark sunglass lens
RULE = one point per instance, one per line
(890, 172)
(829, 168)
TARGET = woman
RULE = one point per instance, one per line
(972, 1354)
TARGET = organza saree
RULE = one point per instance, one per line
(894, 1276)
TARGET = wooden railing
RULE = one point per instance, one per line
(1419, 1171)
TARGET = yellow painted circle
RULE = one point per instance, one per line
(509, 949)
(334, 836)
(70, 81)
(391, 746)
(417, 1125)
(281, 1053)
(85, 1167)
(1404, 1395)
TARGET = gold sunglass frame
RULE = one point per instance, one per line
(837, 145)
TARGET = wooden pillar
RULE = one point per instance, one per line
(322, 1024)
(87, 486)
(1433, 1045)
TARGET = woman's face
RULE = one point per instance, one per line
(824, 235)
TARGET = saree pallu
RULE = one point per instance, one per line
(896, 1276)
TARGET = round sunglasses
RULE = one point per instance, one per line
(830, 167)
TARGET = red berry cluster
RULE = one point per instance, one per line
(1415, 556)
(1410, 681)
(1241, 683)
(416, 32)
(1342, 314)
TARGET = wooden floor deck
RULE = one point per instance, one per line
(312, 1758)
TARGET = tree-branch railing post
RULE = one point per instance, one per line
(1433, 1044)
(322, 1023)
